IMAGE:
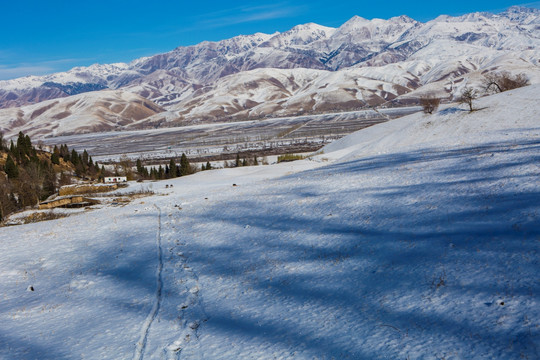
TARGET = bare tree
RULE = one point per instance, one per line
(467, 96)
(64, 179)
(429, 104)
(3, 142)
(504, 81)
(8, 204)
(126, 166)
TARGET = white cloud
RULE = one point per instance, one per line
(245, 14)
(535, 4)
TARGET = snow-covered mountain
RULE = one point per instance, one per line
(311, 67)
(284, 92)
(83, 113)
(33, 89)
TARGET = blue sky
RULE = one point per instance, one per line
(40, 37)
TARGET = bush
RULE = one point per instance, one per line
(289, 157)
(504, 81)
(467, 96)
(429, 104)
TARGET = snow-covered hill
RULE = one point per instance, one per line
(83, 113)
(276, 92)
(405, 58)
(33, 89)
(497, 118)
(416, 238)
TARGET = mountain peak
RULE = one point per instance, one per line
(300, 35)
(402, 19)
(311, 26)
(355, 20)
(522, 9)
(522, 14)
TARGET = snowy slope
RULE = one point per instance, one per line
(416, 238)
(451, 126)
(92, 112)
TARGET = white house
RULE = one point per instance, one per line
(114, 179)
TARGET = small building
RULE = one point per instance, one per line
(114, 179)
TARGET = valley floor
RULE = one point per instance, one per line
(423, 251)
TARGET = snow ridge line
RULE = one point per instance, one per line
(141, 344)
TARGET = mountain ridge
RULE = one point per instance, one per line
(445, 53)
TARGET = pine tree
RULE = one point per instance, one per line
(208, 165)
(139, 166)
(74, 157)
(244, 162)
(21, 144)
(85, 158)
(11, 169)
(27, 144)
(255, 162)
(64, 153)
(185, 168)
(55, 156)
(55, 159)
(172, 169)
(237, 164)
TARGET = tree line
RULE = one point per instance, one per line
(29, 175)
(169, 171)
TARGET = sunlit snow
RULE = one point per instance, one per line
(413, 239)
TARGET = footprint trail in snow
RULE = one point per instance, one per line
(141, 344)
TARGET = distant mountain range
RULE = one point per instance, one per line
(308, 69)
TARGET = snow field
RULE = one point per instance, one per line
(352, 263)
(84, 293)
(416, 238)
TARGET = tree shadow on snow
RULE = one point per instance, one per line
(383, 256)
